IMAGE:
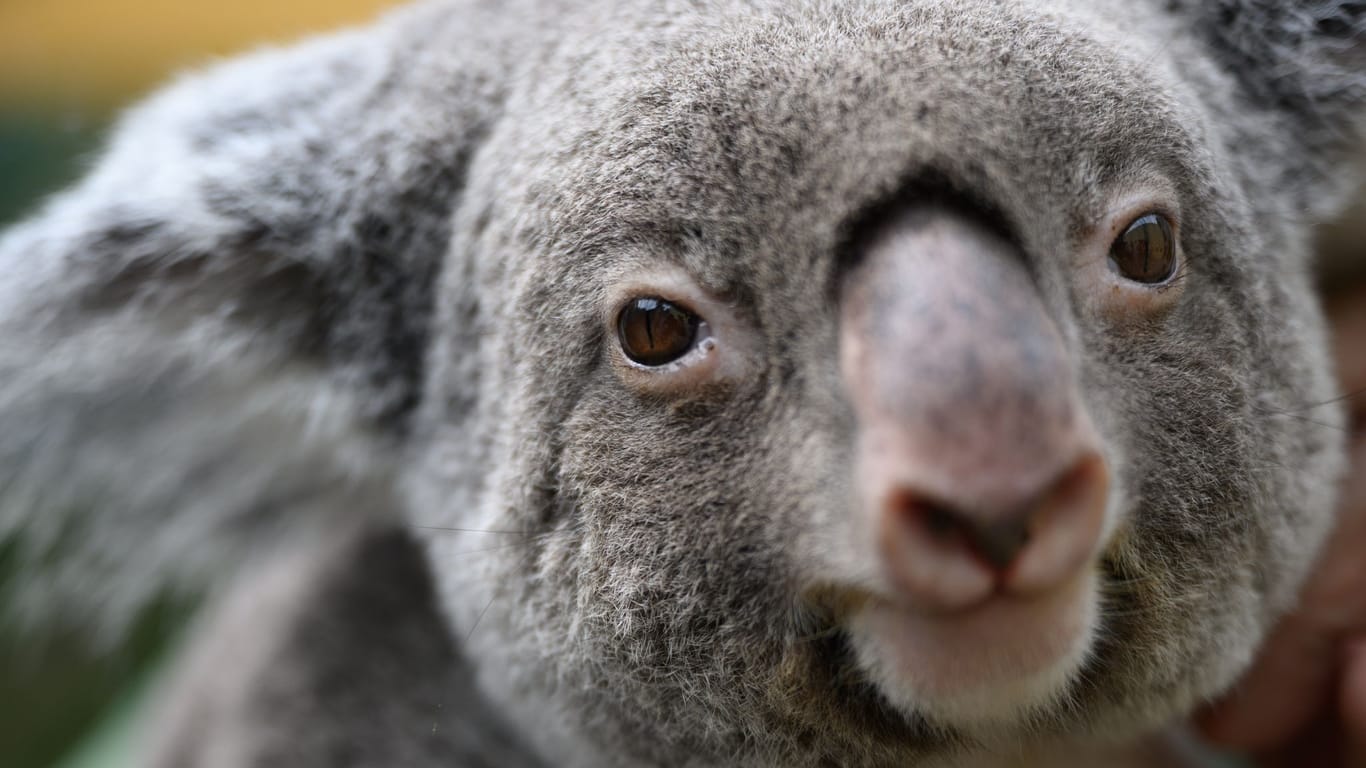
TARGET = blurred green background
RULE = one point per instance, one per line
(66, 68)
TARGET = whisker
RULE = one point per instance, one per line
(1128, 581)
(821, 634)
(1298, 417)
(492, 531)
(488, 550)
(487, 606)
(1339, 399)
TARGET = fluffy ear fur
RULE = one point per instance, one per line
(1307, 57)
(1303, 61)
(229, 315)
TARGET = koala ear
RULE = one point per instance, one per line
(224, 326)
(1303, 59)
(1304, 56)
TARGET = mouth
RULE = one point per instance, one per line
(982, 670)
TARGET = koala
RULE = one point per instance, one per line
(730, 382)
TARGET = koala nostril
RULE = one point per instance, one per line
(1067, 520)
(996, 543)
(941, 522)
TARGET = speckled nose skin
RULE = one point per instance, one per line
(976, 460)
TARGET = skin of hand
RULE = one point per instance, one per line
(1304, 701)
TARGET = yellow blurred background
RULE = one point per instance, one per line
(99, 52)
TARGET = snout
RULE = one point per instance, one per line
(981, 482)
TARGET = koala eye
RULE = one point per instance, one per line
(1146, 252)
(655, 332)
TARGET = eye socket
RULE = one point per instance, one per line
(1146, 252)
(655, 332)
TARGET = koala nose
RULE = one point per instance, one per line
(979, 471)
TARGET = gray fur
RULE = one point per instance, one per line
(358, 284)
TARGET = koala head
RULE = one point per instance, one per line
(841, 383)
(783, 384)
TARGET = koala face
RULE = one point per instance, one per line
(859, 382)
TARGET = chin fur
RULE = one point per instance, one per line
(1009, 692)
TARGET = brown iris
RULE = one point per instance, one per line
(1146, 252)
(656, 332)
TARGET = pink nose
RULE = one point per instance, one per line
(946, 556)
(978, 467)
